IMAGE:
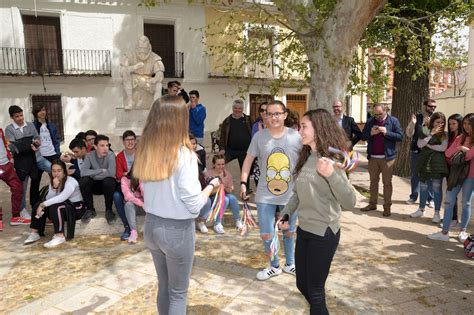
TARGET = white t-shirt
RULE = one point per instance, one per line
(46, 147)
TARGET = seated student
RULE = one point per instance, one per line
(124, 163)
(90, 139)
(98, 178)
(218, 169)
(200, 151)
(49, 147)
(8, 175)
(79, 150)
(63, 203)
(133, 195)
(24, 143)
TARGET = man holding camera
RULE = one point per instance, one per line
(381, 133)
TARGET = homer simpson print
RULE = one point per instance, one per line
(278, 172)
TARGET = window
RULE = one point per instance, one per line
(161, 37)
(43, 44)
(54, 110)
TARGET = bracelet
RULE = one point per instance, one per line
(243, 183)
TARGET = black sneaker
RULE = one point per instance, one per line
(88, 215)
(110, 217)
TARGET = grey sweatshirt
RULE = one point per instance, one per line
(98, 168)
(319, 199)
(179, 196)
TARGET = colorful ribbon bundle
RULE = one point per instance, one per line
(248, 221)
(350, 160)
(275, 244)
(218, 204)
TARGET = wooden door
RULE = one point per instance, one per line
(161, 37)
(297, 103)
(255, 101)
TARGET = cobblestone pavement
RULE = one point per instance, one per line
(382, 265)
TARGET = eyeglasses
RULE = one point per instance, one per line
(129, 139)
(261, 110)
(276, 114)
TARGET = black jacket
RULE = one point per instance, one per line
(352, 130)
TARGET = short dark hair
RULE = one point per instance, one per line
(277, 102)
(171, 83)
(191, 137)
(77, 143)
(37, 108)
(194, 92)
(91, 133)
(14, 109)
(428, 101)
(100, 138)
(81, 135)
(128, 133)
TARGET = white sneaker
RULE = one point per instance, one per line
(431, 204)
(267, 273)
(439, 236)
(462, 236)
(202, 227)
(436, 217)
(418, 213)
(55, 241)
(410, 201)
(291, 269)
(239, 225)
(453, 224)
(25, 214)
(33, 237)
(219, 229)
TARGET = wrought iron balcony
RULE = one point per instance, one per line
(74, 62)
(174, 64)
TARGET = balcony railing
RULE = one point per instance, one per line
(74, 62)
(174, 64)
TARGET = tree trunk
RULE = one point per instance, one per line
(408, 97)
(329, 42)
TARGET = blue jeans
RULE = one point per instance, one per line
(414, 180)
(230, 200)
(437, 190)
(120, 206)
(205, 210)
(467, 192)
(266, 222)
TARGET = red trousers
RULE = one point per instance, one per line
(11, 179)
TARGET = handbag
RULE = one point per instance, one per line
(459, 170)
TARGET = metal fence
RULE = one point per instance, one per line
(30, 61)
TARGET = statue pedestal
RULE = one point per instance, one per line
(134, 120)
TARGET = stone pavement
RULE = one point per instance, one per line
(382, 265)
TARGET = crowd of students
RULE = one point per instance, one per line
(298, 179)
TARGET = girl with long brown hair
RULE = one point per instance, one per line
(168, 168)
(320, 191)
(431, 164)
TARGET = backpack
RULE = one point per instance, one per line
(469, 246)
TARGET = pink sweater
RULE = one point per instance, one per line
(133, 196)
(227, 180)
(455, 147)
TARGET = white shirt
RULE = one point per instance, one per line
(46, 147)
(71, 191)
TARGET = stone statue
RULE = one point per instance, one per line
(142, 76)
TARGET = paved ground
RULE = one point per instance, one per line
(382, 265)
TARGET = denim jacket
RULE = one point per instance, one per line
(394, 134)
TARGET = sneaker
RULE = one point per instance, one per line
(19, 221)
(49, 222)
(239, 225)
(436, 217)
(25, 214)
(202, 227)
(133, 237)
(462, 236)
(55, 241)
(439, 236)
(267, 273)
(369, 207)
(125, 235)
(109, 216)
(431, 204)
(33, 237)
(453, 224)
(219, 229)
(1, 225)
(88, 215)
(291, 269)
(410, 201)
(418, 213)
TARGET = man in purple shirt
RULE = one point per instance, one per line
(381, 133)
